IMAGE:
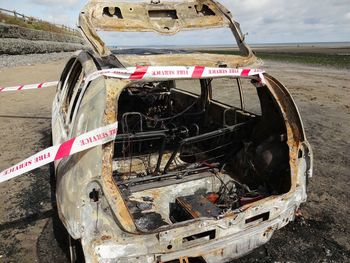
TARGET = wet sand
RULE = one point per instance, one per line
(324, 48)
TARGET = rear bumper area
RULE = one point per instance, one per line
(231, 242)
(235, 245)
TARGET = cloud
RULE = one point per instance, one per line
(292, 21)
(271, 20)
(266, 20)
(60, 12)
(312, 21)
(55, 2)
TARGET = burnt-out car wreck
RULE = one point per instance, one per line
(193, 174)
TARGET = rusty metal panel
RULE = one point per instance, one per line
(195, 206)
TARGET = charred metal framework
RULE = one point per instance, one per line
(172, 137)
(187, 178)
(164, 17)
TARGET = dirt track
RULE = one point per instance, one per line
(321, 235)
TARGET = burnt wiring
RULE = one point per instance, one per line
(186, 143)
(230, 193)
(157, 120)
(156, 93)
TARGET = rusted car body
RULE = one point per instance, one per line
(188, 178)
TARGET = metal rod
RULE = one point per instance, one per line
(239, 83)
(152, 178)
(198, 138)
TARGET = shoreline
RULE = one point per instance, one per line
(335, 55)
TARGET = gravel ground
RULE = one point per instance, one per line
(11, 61)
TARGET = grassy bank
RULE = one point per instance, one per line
(38, 25)
(333, 60)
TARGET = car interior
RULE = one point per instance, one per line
(181, 154)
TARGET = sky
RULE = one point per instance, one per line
(265, 21)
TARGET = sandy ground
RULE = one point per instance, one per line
(321, 48)
(322, 234)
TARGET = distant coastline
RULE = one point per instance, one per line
(258, 45)
(329, 54)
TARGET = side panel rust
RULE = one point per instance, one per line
(113, 89)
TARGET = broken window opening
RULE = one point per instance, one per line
(220, 157)
(71, 91)
(193, 39)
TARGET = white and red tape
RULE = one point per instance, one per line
(31, 86)
(178, 72)
(80, 143)
(108, 133)
(151, 72)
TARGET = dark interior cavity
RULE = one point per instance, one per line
(173, 134)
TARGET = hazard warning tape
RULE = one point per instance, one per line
(31, 86)
(176, 72)
(80, 143)
(152, 72)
